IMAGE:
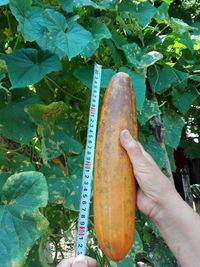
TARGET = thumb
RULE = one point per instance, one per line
(133, 148)
(80, 261)
(142, 162)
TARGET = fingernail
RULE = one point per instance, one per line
(125, 134)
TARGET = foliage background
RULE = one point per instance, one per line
(47, 52)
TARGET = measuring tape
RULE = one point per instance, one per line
(88, 164)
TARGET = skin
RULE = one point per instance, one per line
(157, 198)
(79, 261)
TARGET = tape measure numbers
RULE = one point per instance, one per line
(88, 164)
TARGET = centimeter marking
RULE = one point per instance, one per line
(88, 164)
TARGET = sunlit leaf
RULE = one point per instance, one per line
(75, 34)
(4, 2)
(142, 12)
(173, 125)
(69, 5)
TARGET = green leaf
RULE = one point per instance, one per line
(52, 122)
(161, 255)
(152, 146)
(3, 161)
(42, 26)
(2, 76)
(4, 2)
(111, 4)
(191, 148)
(69, 5)
(99, 31)
(170, 153)
(20, 8)
(173, 125)
(132, 52)
(163, 77)
(142, 12)
(3, 177)
(48, 28)
(20, 128)
(65, 190)
(149, 59)
(149, 110)
(115, 53)
(14, 163)
(54, 20)
(43, 114)
(75, 34)
(150, 39)
(195, 77)
(168, 1)
(180, 26)
(20, 163)
(107, 75)
(21, 222)
(160, 78)
(85, 75)
(137, 245)
(162, 12)
(32, 26)
(118, 39)
(187, 41)
(183, 98)
(135, 57)
(139, 85)
(33, 258)
(28, 66)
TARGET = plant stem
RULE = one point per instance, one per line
(8, 20)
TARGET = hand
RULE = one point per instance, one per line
(154, 187)
(79, 261)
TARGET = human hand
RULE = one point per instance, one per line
(79, 261)
(154, 187)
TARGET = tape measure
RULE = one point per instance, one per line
(88, 164)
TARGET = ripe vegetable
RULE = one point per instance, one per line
(114, 181)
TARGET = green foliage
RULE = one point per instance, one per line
(20, 128)
(173, 125)
(47, 52)
(22, 224)
(28, 66)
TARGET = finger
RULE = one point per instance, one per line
(84, 261)
(66, 262)
(135, 151)
(92, 262)
(80, 261)
(142, 162)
